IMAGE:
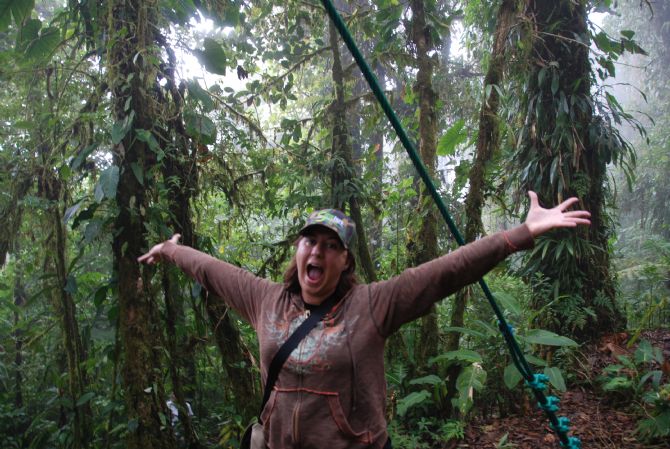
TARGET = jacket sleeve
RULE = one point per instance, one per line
(238, 288)
(409, 295)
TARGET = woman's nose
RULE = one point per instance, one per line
(317, 249)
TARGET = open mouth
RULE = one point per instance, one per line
(314, 273)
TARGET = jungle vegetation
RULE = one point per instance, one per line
(126, 121)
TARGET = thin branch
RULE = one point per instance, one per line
(241, 117)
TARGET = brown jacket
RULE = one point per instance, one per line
(331, 392)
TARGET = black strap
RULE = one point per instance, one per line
(291, 343)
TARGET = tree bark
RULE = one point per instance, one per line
(132, 77)
(488, 143)
(51, 188)
(343, 187)
(19, 301)
(561, 159)
(235, 357)
(423, 247)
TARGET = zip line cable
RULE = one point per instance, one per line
(536, 382)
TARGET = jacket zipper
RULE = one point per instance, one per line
(296, 409)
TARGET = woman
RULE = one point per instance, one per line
(331, 391)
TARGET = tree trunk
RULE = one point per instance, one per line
(488, 142)
(132, 77)
(423, 246)
(559, 158)
(235, 357)
(19, 301)
(51, 188)
(343, 187)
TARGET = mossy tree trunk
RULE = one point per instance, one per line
(343, 185)
(423, 245)
(66, 310)
(488, 143)
(564, 150)
(132, 59)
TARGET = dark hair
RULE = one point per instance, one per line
(347, 279)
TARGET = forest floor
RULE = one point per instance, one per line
(599, 422)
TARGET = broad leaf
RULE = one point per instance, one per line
(201, 128)
(83, 154)
(27, 33)
(107, 184)
(212, 57)
(121, 128)
(84, 398)
(70, 211)
(411, 400)
(20, 9)
(431, 379)
(147, 136)
(487, 328)
(454, 136)
(530, 358)
(200, 95)
(462, 355)
(511, 376)
(471, 378)
(543, 337)
(645, 353)
(655, 377)
(100, 295)
(92, 231)
(464, 330)
(555, 377)
(137, 171)
(71, 285)
(509, 302)
(44, 44)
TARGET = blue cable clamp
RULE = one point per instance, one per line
(539, 382)
(551, 405)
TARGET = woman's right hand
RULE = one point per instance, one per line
(154, 255)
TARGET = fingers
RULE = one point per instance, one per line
(577, 214)
(533, 199)
(154, 254)
(567, 203)
(148, 258)
(581, 221)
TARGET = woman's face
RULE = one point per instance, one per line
(321, 258)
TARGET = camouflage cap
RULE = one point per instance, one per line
(334, 220)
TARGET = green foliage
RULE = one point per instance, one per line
(639, 378)
(411, 400)
(213, 57)
(543, 337)
(657, 425)
(454, 136)
(257, 150)
(18, 9)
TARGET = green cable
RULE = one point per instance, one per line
(535, 381)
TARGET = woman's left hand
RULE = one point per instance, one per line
(541, 220)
